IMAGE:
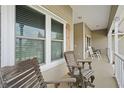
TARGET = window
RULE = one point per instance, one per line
(30, 34)
(88, 42)
(57, 40)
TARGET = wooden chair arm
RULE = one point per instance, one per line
(57, 82)
(84, 61)
(88, 61)
(76, 66)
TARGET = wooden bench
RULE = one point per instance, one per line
(27, 74)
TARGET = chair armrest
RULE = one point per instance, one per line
(88, 61)
(76, 66)
(84, 61)
(57, 82)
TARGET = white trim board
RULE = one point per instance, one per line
(7, 35)
(119, 34)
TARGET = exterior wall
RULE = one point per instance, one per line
(65, 12)
(99, 40)
(81, 31)
(78, 40)
(88, 33)
(54, 70)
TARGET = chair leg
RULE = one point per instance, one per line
(86, 84)
(92, 78)
(90, 84)
(57, 85)
(80, 82)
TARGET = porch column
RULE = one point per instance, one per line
(7, 35)
(116, 34)
(110, 51)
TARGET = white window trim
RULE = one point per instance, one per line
(86, 42)
(7, 35)
(8, 39)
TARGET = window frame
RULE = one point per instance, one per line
(32, 38)
(57, 40)
(88, 43)
(47, 39)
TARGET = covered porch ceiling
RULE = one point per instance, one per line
(95, 16)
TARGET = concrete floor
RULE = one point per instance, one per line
(103, 74)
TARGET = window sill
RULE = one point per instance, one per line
(45, 67)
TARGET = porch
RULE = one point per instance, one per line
(103, 71)
(53, 44)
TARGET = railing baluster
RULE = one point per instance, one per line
(122, 70)
(119, 69)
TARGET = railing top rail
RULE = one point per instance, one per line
(120, 56)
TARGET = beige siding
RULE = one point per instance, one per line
(81, 30)
(99, 40)
(65, 12)
(78, 40)
(88, 33)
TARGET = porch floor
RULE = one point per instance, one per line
(103, 74)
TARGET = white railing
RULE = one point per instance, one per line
(119, 69)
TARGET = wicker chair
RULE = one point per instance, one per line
(84, 77)
(27, 74)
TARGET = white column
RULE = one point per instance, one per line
(116, 34)
(7, 35)
(110, 51)
(48, 40)
(116, 45)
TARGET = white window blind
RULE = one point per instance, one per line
(30, 34)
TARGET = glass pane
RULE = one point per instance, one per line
(57, 30)
(56, 50)
(26, 48)
(29, 22)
